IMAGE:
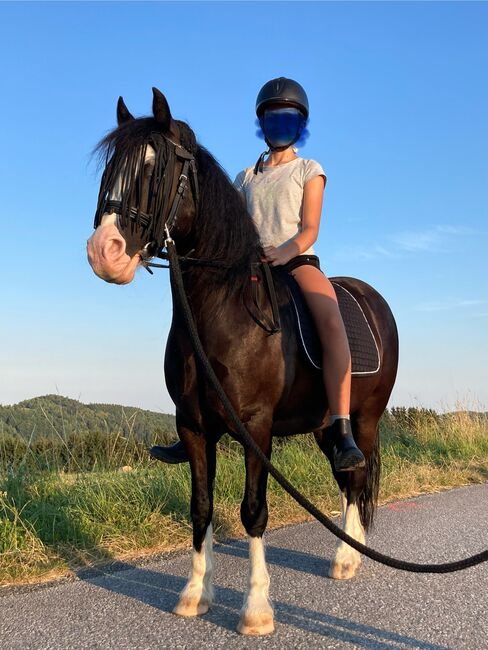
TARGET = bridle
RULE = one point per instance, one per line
(157, 195)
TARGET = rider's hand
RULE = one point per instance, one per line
(276, 256)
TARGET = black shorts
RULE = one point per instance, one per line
(300, 260)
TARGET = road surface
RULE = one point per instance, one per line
(129, 606)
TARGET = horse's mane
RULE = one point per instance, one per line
(223, 229)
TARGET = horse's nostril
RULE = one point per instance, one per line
(89, 249)
(114, 248)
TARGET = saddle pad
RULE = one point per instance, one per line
(365, 356)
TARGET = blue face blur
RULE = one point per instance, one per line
(282, 126)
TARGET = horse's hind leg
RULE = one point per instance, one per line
(256, 613)
(347, 560)
(358, 491)
(197, 596)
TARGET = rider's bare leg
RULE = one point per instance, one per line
(322, 302)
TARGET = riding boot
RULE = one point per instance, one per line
(346, 454)
(174, 454)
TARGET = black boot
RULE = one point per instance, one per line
(347, 456)
(174, 454)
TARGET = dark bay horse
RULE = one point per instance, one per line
(273, 389)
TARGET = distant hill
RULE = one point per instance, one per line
(55, 415)
(61, 416)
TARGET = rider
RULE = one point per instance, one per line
(283, 195)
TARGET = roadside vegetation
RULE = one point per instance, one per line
(74, 496)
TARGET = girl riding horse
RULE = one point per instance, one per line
(283, 194)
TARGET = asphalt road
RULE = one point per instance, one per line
(129, 606)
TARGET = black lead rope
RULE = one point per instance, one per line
(241, 435)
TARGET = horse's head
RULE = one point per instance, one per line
(148, 191)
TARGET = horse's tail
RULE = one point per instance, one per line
(368, 498)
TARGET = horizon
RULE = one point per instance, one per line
(398, 120)
(131, 406)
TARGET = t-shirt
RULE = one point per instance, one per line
(274, 198)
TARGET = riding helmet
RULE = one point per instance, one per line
(285, 90)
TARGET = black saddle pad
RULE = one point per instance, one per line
(365, 357)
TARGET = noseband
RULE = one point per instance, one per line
(157, 192)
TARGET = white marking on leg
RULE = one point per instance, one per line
(346, 559)
(257, 612)
(343, 507)
(197, 596)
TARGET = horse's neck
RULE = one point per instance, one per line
(217, 293)
(224, 233)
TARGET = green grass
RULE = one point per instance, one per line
(53, 521)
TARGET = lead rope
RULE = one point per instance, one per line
(241, 435)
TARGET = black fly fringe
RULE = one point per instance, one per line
(125, 188)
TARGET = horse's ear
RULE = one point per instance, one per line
(123, 114)
(161, 110)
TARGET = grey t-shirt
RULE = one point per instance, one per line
(274, 198)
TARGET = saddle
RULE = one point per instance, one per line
(365, 357)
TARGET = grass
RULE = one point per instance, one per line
(53, 521)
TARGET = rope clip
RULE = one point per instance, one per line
(168, 239)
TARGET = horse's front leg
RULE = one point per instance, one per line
(197, 596)
(257, 613)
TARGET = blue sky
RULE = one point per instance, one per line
(398, 119)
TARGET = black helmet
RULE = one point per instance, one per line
(282, 90)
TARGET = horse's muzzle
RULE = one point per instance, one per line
(106, 251)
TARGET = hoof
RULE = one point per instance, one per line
(256, 624)
(188, 606)
(343, 570)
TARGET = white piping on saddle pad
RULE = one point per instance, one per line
(357, 372)
(301, 335)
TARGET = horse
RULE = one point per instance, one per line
(158, 183)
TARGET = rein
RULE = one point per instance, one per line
(185, 259)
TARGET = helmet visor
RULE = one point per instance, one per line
(282, 126)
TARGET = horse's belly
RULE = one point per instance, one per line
(304, 410)
(296, 426)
